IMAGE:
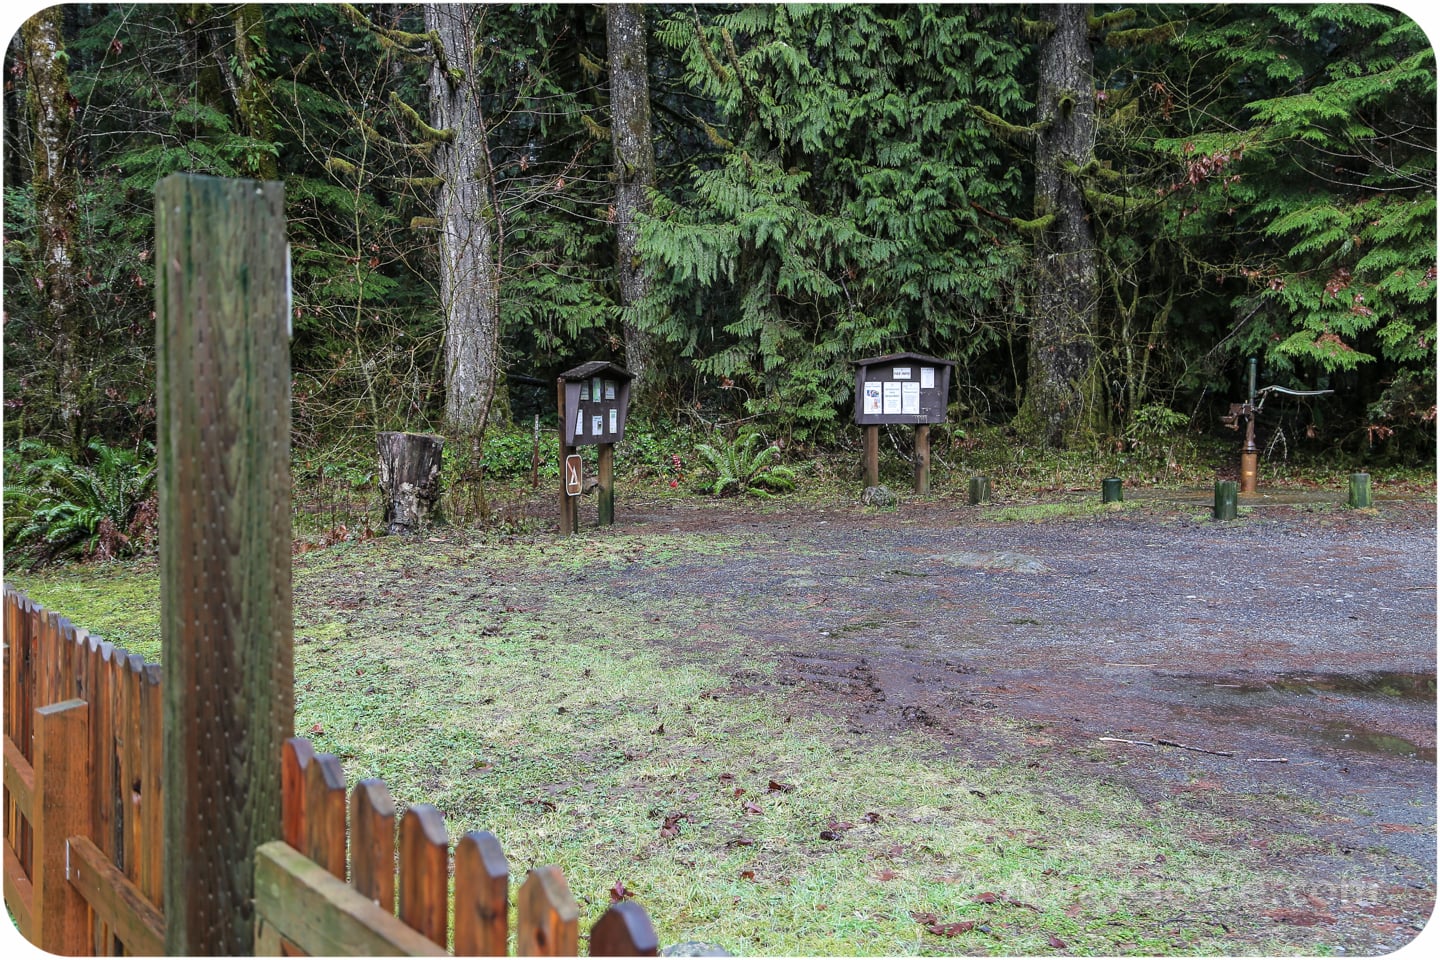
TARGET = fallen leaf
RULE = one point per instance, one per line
(886, 874)
(924, 917)
(777, 787)
(985, 897)
(727, 778)
(951, 929)
(619, 892)
(871, 817)
(317, 729)
(739, 791)
(740, 842)
(1057, 943)
(660, 729)
(747, 875)
(751, 807)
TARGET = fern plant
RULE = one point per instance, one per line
(59, 507)
(740, 469)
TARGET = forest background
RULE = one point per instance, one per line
(1098, 212)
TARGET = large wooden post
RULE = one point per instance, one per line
(60, 811)
(568, 507)
(922, 458)
(605, 490)
(223, 372)
(872, 455)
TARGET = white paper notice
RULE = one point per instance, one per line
(902, 373)
(580, 425)
(610, 390)
(597, 425)
(614, 421)
(910, 397)
(892, 397)
(584, 389)
(595, 388)
(927, 377)
(871, 397)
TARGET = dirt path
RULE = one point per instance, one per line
(1297, 635)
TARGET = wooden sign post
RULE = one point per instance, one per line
(901, 388)
(594, 399)
(223, 390)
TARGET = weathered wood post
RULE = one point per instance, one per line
(62, 784)
(922, 458)
(605, 491)
(569, 508)
(872, 455)
(223, 372)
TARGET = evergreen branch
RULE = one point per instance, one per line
(400, 41)
(1142, 36)
(705, 51)
(429, 133)
(1005, 128)
(1114, 18)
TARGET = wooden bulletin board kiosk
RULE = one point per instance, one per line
(593, 398)
(901, 388)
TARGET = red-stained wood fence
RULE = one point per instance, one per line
(83, 819)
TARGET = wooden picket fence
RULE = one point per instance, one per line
(83, 811)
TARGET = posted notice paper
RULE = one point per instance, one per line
(910, 397)
(892, 397)
(872, 397)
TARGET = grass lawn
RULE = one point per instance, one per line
(506, 681)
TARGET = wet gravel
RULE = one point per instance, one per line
(1291, 653)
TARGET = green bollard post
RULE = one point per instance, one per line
(1226, 492)
(1111, 490)
(1359, 490)
(979, 490)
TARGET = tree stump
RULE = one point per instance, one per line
(409, 479)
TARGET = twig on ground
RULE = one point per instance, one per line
(1186, 746)
(1267, 759)
(1138, 743)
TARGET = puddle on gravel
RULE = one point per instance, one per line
(1380, 684)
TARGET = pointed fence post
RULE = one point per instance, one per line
(223, 399)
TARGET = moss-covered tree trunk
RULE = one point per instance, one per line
(1066, 275)
(468, 226)
(634, 169)
(252, 100)
(50, 106)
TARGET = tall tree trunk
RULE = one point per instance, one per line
(1067, 286)
(252, 100)
(634, 168)
(50, 107)
(468, 225)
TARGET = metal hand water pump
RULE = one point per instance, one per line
(1247, 411)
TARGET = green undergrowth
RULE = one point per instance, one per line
(537, 689)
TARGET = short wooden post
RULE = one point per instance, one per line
(223, 391)
(979, 490)
(424, 872)
(872, 455)
(606, 488)
(61, 811)
(1359, 490)
(1226, 492)
(922, 458)
(568, 504)
(372, 842)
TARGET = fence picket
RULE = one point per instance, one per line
(372, 842)
(624, 931)
(482, 896)
(325, 813)
(151, 847)
(296, 755)
(548, 917)
(424, 872)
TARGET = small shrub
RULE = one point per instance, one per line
(738, 468)
(57, 508)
